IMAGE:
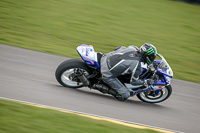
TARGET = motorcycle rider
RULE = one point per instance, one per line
(126, 60)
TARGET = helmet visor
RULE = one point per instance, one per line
(150, 58)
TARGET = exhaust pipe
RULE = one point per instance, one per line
(83, 79)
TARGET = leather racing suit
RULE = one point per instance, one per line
(121, 61)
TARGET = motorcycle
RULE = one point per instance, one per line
(76, 73)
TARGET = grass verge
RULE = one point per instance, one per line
(59, 26)
(20, 118)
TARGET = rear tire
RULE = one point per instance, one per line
(65, 69)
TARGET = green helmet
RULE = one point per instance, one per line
(149, 52)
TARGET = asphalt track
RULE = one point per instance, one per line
(29, 76)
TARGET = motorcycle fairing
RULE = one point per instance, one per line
(89, 55)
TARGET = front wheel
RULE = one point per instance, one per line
(151, 97)
(65, 73)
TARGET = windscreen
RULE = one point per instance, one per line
(163, 64)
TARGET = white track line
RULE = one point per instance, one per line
(117, 121)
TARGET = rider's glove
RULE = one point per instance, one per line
(148, 82)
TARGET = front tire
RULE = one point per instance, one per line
(65, 73)
(162, 95)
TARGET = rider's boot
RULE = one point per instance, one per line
(116, 95)
(101, 87)
(104, 89)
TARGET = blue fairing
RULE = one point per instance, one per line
(157, 61)
(91, 62)
(160, 82)
(143, 71)
(89, 55)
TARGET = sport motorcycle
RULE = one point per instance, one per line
(76, 73)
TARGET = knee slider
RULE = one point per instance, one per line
(126, 95)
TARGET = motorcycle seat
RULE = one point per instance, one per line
(99, 55)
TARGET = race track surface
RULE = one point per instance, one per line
(29, 76)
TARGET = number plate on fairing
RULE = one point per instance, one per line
(88, 54)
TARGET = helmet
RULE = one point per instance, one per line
(148, 52)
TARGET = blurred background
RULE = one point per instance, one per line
(59, 26)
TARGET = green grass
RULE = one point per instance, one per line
(20, 118)
(59, 26)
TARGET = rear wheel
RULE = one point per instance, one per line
(65, 73)
(151, 97)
